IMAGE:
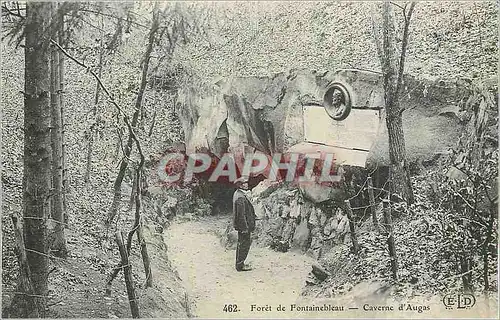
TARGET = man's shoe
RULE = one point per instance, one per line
(244, 268)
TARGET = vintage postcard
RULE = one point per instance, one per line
(237, 159)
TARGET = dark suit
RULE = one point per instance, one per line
(244, 223)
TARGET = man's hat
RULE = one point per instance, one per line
(241, 180)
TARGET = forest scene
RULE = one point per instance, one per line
(361, 136)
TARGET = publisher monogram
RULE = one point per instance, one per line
(459, 301)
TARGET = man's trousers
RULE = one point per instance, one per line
(242, 249)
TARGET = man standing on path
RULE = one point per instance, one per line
(243, 222)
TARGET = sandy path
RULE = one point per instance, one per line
(207, 270)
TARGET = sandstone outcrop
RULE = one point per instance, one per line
(266, 113)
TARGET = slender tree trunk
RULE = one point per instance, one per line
(138, 109)
(118, 148)
(485, 268)
(145, 257)
(389, 232)
(393, 73)
(37, 151)
(127, 275)
(140, 235)
(371, 198)
(132, 193)
(352, 228)
(151, 127)
(93, 130)
(22, 306)
(63, 127)
(466, 274)
(90, 144)
(57, 240)
(489, 235)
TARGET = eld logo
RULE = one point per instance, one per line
(459, 301)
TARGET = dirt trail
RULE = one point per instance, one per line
(207, 270)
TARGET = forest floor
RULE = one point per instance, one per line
(77, 284)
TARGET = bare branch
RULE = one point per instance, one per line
(404, 46)
(397, 5)
(113, 16)
(106, 91)
(12, 13)
(93, 26)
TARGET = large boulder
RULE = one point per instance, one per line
(431, 122)
(318, 193)
(264, 113)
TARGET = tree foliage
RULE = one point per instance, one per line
(467, 191)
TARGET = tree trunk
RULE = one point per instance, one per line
(89, 155)
(138, 110)
(63, 128)
(485, 268)
(352, 228)
(132, 193)
(393, 73)
(22, 306)
(93, 130)
(57, 239)
(465, 269)
(371, 198)
(487, 242)
(389, 232)
(138, 220)
(145, 256)
(127, 275)
(398, 171)
(37, 151)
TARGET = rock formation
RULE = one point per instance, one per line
(266, 113)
